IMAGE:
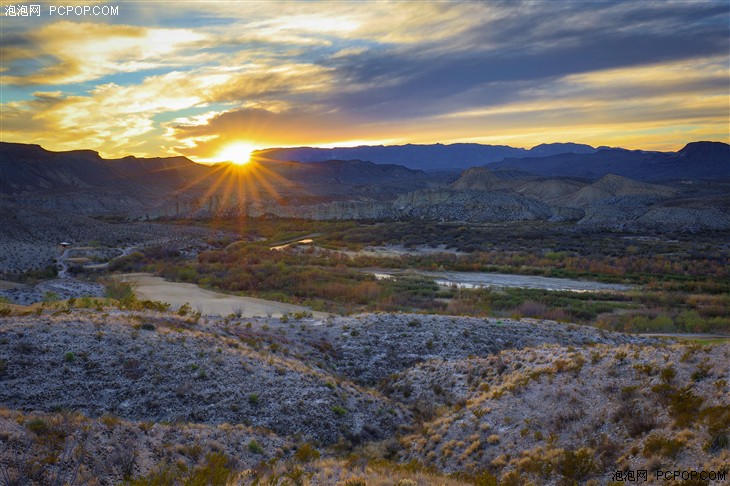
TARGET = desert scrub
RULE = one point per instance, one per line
(667, 374)
(339, 411)
(38, 426)
(703, 371)
(216, 471)
(306, 453)
(254, 447)
(69, 357)
(662, 446)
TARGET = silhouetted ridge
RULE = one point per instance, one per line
(697, 160)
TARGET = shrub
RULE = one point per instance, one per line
(254, 447)
(120, 291)
(667, 374)
(663, 446)
(38, 426)
(683, 406)
(718, 425)
(216, 471)
(253, 399)
(702, 372)
(306, 453)
(184, 309)
(50, 297)
(577, 465)
(69, 357)
(530, 308)
(339, 411)
(355, 482)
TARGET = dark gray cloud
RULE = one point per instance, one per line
(534, 44)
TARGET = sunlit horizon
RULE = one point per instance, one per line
(196, 79)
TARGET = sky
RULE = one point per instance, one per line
(210, 79)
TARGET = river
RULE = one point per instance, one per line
(472, 280)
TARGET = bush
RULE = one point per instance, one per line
(254, 447)
(658, 445)
(683, 406)
(667, 374)
(339, 411)
(50, 297)
(216, 471)
(120, 291)
(184, 309)
(306, 453)
(578, 465)
(38, 426)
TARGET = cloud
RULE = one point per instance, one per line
(205, 136)
(70, 52)
(314, 73)
(113, 117)
(530, 43)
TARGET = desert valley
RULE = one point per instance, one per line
(357, 322)
(364, 243)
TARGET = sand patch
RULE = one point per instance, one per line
(147, 286)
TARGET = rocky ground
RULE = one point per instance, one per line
(158, 369)
(51, 290)
(528, 413)
(521, 400)
(30, 237)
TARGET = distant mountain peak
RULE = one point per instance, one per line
(545, 149)
(704, 148)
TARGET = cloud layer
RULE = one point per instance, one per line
(152, 81)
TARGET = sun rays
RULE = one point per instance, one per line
(234, 192)
(238, 153)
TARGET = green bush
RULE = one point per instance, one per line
(38, 426)
(121, 292)
(339, 411)
(254, 447)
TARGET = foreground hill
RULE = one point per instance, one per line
(151, 394)
(563, 415)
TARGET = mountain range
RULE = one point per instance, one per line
(697, 160)
(435, 157)
(605, 188)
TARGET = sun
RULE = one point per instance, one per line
(239, 153)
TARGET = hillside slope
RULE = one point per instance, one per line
(145, 393)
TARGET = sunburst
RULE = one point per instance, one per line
(238, 153)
